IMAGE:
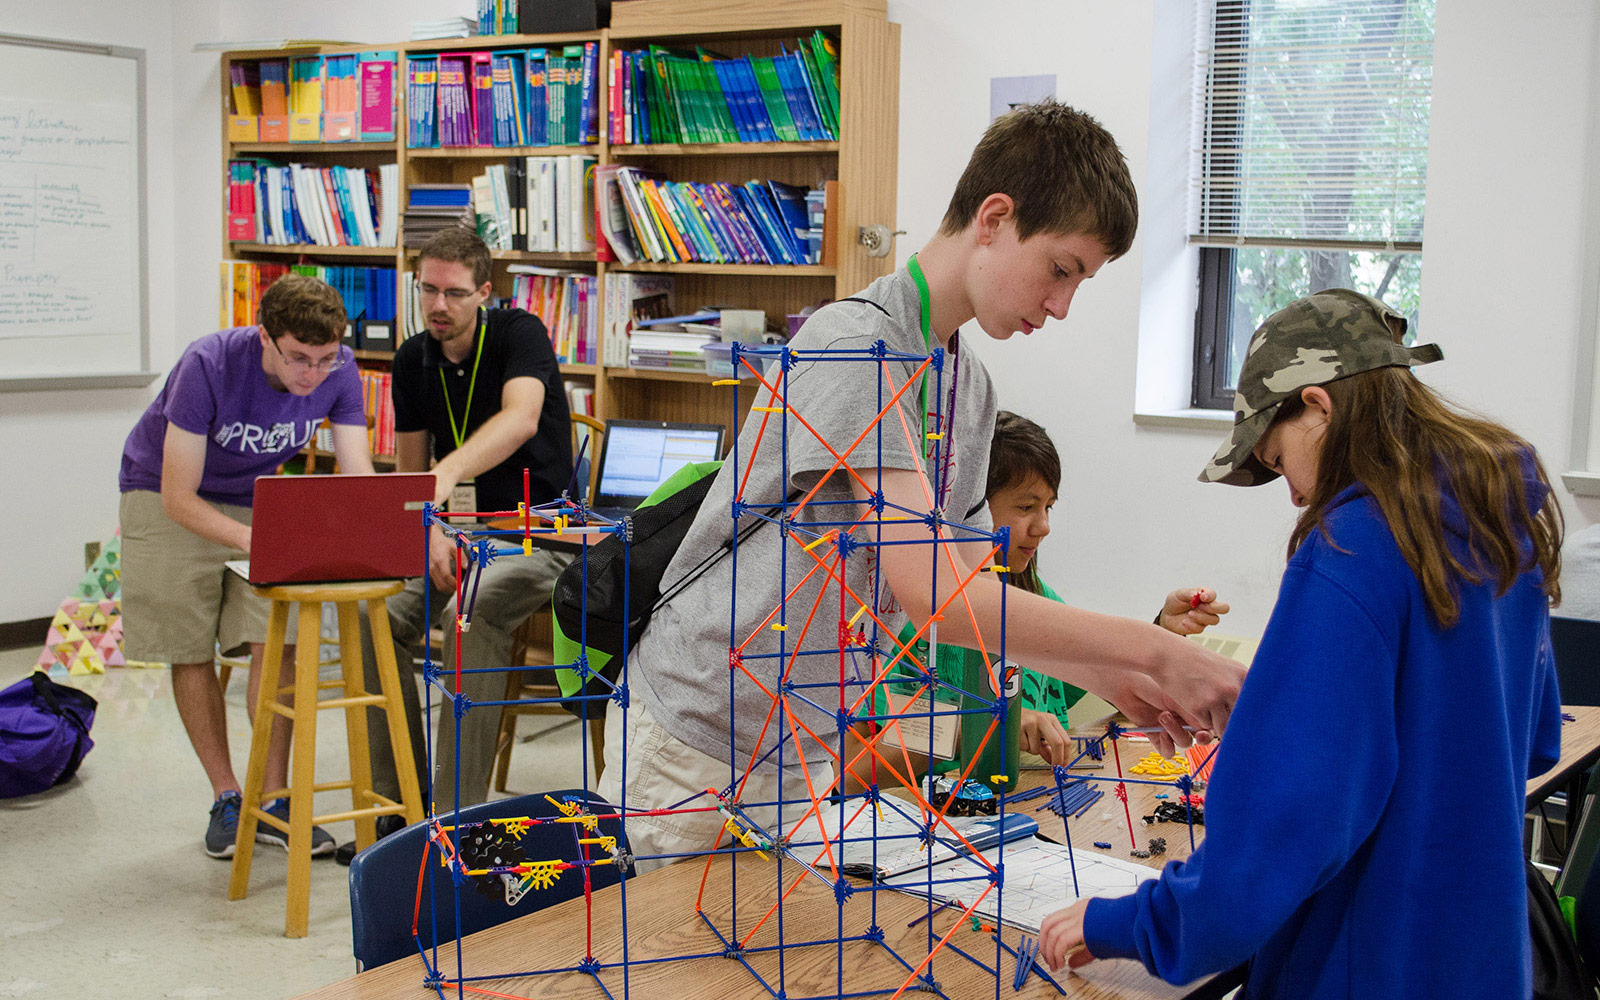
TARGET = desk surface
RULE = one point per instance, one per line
(663, 921)
(1580, 748)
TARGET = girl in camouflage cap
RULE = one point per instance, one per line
(1364, 825)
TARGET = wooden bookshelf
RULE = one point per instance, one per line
(863, 160)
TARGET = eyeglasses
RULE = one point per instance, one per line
(453, 294)
(298, 363)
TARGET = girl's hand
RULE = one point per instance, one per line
(1061, 938)
(1043, 736)
(1191, 610)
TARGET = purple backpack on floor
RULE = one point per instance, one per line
(44, 734)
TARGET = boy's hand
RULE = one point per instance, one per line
(1061, 938)
(1191, 610)
(1043, 736)
(441, 560)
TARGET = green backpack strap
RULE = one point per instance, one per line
(566, 650)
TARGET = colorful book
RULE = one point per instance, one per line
(274, 100)
(377, 83)
(305, 99)
(454, 99)
(482, 77)
(422, 109)
(537, 108)
(589, 95)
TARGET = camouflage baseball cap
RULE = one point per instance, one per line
(1311, 341)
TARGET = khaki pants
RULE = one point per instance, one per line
(510, 589)
(179, 601)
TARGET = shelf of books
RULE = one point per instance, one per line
(693, 173)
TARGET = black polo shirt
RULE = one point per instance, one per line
(515, 345)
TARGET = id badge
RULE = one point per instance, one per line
(463, 497)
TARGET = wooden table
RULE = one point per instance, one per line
(662, 921)
(1580, 748)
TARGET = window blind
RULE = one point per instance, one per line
(1312, 123)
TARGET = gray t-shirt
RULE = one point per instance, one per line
(680, 669)
(1580, 575)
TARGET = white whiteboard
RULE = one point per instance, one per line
(73, 301)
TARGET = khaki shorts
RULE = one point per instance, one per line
(179, 601)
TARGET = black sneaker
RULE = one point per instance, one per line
(224, 827)
(386, 825)
(322, 841)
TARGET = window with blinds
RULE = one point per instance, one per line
(1310, 163)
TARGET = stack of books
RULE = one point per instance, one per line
(661, 95)
(310, 204)
(568, 302)
(630, 299)
(504, 98)
(431, 208)
(442, 27)
(673, 343)
(367, 293)
(645, 217)
(538, 203)
(378, 397)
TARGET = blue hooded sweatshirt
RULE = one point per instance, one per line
(1364, 819)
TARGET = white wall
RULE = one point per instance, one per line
(1506, 220)
(1505, 227)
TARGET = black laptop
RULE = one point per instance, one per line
(636, 456)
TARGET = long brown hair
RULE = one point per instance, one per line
(1407, 447)
(1021, 449)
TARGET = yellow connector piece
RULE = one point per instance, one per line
(819, 541)
(527, 546)
(780, 628)
(726, 381)
(999, 569)
(769, 409)
(999, 779)
(935, 436)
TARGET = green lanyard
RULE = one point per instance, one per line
(471, 385)
(927, 341)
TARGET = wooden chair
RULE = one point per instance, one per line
(531, 644)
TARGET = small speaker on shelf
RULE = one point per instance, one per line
(540, 17)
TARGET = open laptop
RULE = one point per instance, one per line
(332, 529)
(636, 456)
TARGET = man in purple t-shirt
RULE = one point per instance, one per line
(236, 405)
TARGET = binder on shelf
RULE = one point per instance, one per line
(422, 110)
(537, 128)
(482, 80)
(305, 99)
(244, 123)
(377, 83)
(510, 82)
(589, 95)
(274, 100)
(341, 98)
(454, 99)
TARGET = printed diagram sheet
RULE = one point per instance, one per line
(1038, 881)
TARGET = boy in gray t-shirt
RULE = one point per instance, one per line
(1044, 202)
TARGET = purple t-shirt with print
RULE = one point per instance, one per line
(219, 389)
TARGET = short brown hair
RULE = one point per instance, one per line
(304, 307)
(458, 245)
(1061, 169)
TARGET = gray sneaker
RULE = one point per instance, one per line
(322, 841)
(224, 826)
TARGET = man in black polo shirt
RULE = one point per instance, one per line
(485, 385)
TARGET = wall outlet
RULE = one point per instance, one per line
(91, 552)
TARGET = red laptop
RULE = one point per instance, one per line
(331, 529)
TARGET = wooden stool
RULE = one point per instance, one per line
(366, 805)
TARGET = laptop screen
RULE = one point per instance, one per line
(639, 455)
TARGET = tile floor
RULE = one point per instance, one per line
(106, 892)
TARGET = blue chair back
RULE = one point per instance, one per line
(383, 878)
(1576, 642)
